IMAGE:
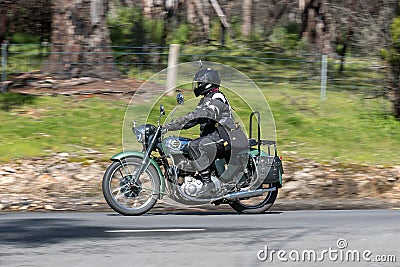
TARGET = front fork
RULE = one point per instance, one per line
(146, 158)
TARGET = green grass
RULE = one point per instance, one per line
(48, 125)
(343, 128)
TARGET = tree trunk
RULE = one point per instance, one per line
(80, 40)
(315, 25)
(395, 91)
(152, 8)
(396, 73)
(246, 18)
(191, 11)
(198, 16)
(228, 9)
(396, 102)
(3, 22)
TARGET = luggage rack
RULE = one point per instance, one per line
(258, 142)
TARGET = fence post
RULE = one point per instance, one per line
(324, 72)
(172, 70)
(4, 67)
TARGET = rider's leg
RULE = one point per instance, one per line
(203, 152)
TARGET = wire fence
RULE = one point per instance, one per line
(368, 75)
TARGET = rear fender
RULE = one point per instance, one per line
(275, 163)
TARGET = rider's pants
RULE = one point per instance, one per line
(204, 150)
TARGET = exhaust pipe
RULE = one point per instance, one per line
(245, 194)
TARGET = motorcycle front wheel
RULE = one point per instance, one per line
(126, 196)
(256, 205)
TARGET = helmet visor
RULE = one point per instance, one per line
(199, 88)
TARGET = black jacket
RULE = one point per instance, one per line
(213, 113)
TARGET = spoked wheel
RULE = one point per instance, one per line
(258, 204)
(127, 196)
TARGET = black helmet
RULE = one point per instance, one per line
(205, 80)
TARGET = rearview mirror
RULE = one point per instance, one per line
(180, 99)
(162, 110)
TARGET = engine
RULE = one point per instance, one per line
(191, 186)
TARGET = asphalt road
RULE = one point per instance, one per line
(290, 238)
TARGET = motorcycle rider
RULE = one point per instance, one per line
(217, 125)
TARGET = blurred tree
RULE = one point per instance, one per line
(31, 18)
(394, 59)
(246, 17)
(80, 40)
(360, 27)
(198, 15)
(3, 22)
(343, 23)
(315, 24)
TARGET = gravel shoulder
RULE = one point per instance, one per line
(59, 183)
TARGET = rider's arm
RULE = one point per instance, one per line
(184, 122)
(209, 109)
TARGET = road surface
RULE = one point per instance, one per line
(290, 238)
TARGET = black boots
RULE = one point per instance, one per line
(208, 189)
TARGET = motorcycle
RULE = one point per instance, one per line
(135, 180)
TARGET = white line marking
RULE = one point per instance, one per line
(156, 230)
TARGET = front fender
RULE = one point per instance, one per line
(126, 154)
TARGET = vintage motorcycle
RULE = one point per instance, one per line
(135, 180)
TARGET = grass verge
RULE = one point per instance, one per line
(343, 128)
(47, 125)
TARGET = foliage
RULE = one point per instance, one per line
(396, 32)
(393, 56)
(394, 53)
(24, 38)
(121, 26)
(128, 27)
(27, 18)
(286, 37)
(181, 34)
(26, 57)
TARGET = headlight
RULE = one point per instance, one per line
(144, 132)
(139, 132)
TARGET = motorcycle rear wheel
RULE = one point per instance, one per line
(256, 205)
(125, 196)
